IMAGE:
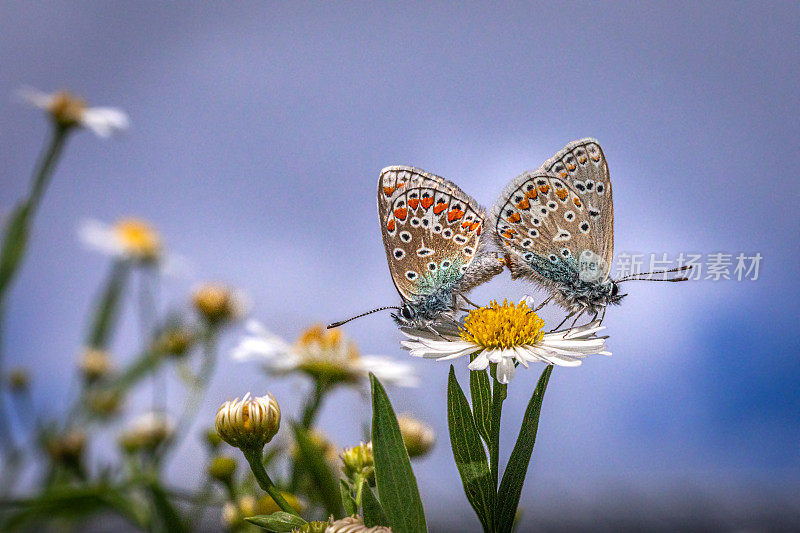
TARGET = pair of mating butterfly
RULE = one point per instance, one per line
(553, 226)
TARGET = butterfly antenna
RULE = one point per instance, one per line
(641, 275)
(341, 322)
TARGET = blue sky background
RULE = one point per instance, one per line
(258, 131)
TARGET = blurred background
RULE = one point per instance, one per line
(258, 131)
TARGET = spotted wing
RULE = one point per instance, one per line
(583, 167)
(431, 230)
(554, 222)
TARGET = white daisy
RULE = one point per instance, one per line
(319, 353)
(69, 111)
(507, 334)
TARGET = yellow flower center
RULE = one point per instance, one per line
(139, 238)
(66, 109)
(503, 326)
(328, 353)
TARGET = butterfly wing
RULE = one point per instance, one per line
(554, 222)
(431, 230)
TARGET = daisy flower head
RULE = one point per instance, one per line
(320, 354)
(507, 334)
(69, 111)
(128, 238)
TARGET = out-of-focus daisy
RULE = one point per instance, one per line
(69, 111)
(146, 432)
(217, 303)
(321, 354)
(507, 334)
(128, 238)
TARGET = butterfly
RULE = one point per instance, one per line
(432, 234)
(556, 226)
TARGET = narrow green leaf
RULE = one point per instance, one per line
(314, 460)
(15, 240)
(373, 511)
(142, 366)
(469, 453)
(107, 308)
(280, 522)
(481, 391)
(517, 467)
(397, 485)
(348, 502)
(166, 513)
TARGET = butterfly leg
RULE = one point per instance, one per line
(563, 321)
(433, 330)
(543, 303)
(602, 316)
(573, 323)
(473, 304)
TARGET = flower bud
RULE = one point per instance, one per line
(358, 462)
(175, 341)
(213, 439)
(217, 303)
(249, 423)
(18, 380)
(147, 432)
(66, 448)
(266, 505)
(316, 526)
(222, 468)
(417, 435)
(104, 403)
(94, 364)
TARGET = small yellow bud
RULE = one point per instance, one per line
(217, 303)
(321, 442)
(213, 439)
(249, 423)
(175, 341)
(94, 364)
(418, 436)
(358, 462)
(18, 380)
(66, 109)
(266, 505)
(222, 468)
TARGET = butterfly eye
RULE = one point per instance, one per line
(406, 312)
(614, 289)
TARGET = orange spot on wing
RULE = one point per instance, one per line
(455, 214)
(401, 213)
(571, 167)
(595, 158)
(544, 188)
(524, 204)
(474, 225)
(387, 191)
(532, 193)
(413, 203)
(466, 224)
(577, 202)
(440, 207)
(564, 174)
(390, 225)
(582, 160)
(509, 233)
(427, 202)
(514, 218)
(562, 194)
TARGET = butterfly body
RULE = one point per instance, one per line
(556, 225)
(431, 233)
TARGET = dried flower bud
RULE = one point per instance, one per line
(249, 423)
(354, 524)
(217, 303)
(94, 364)
(358, 462)
(222, 468)
(418, 436)
(175, 341)
(18, 380)
(104, 403)
(147, 432)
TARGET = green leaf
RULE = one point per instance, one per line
(140, 368)
(314, 460)
(166, 513)
(280, 522)
(517, 467)
(469, 453)
(373, 511)
(348, 502)
(15, 240)
(107, 308)
(481, 391)
(397, 485)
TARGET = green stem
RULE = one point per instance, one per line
(257, 466)
(498, 396)
(314, 403)
(46, 165)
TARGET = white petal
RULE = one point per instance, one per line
(104, 121)
(100, 237)
(480, 362)
(36, 97)
(505, 370)
(520, 353)
(389, 371)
